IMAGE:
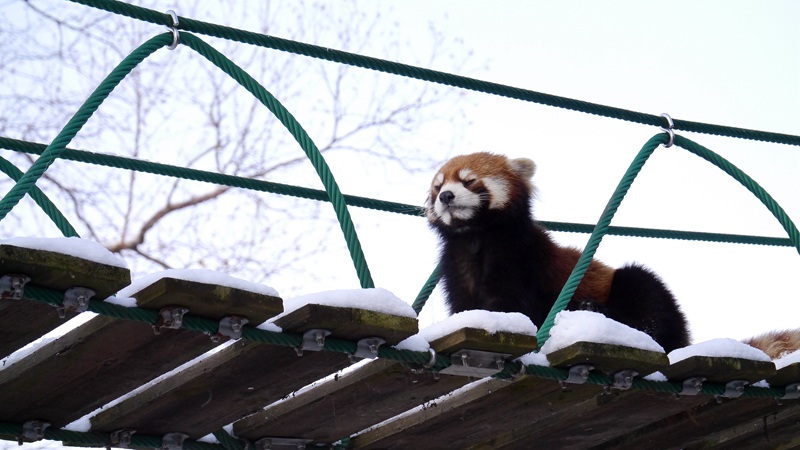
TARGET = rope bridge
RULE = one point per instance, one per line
(181, 33)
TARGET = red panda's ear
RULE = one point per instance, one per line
(523, 167)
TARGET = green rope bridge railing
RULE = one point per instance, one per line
(419, 73)
(25, 184)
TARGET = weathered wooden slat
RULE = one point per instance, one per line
(242, 378)
(609, 358)
(475, 414)
(595, 421)
(94, 364)
(785, 375)
(720, 369)
(372, 393)
(23, 321)
(716, 425)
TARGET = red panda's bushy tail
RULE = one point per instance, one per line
(776, 343)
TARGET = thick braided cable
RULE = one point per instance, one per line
(597, 235)
(619, 194)
(54, 150)
(302, 138)
(38, 196)
(419, 73)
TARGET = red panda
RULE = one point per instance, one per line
(776, 343)
(495, 256)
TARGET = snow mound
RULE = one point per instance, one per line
(196, 275)
(377, 299)
(787, 360)
(587, 326)
(492, 322)
(73, 246)
(722, 347)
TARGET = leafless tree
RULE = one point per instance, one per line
(177, 108)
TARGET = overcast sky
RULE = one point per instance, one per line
(725, 62)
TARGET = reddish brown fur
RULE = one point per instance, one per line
(776, 343)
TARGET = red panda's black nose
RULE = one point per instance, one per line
(446, 197)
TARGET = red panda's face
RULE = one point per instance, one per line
(469, 184)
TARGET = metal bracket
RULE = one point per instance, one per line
(623, 380)
(281, 444)
(692, 386)
(368, 347)
(12, 286)
(313, 340)
(792, 391)
(32, 431)
(230, 326)
(170, 317)
(735, 388)
(121, 438)
(173, 441)
(75, 299)
(579, 373)
(475, 363)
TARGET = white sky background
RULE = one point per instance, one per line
(729, 63)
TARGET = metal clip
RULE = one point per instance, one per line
(176, 37)
(692, 386)
(475, 363)
(368, 347)
(75, 299)
(735, 388)
(313, 340)
(173, 441)
(120, 438)
(578, 374)
(281, 444)
(670, 130)
(170, 317)
(32, 431)
(792, 391)
(230, 326)
(623, 380)
(12, 286)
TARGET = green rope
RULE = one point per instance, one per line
(427, 289)
(38, 196)
(120, 162)
(302, 138)
(54, 150)
(419, 73)
(619, 194)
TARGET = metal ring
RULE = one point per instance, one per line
(432, 361)
(176, 37)
(670, 131)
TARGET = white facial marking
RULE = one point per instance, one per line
(498, 189)
(462, 207)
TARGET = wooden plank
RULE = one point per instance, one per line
(593, 422)
(210, 300)
(785, 376)
(475, 414)
(372, 393)
(242, 378)
(609, 358)
(706, 425)
(94, 364)
(720, 369)
(23, 321)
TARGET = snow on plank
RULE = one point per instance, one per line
(58, 264)
(246, 376)
(721, 361)
(382, 389)
(589, 338)
(104, 358)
